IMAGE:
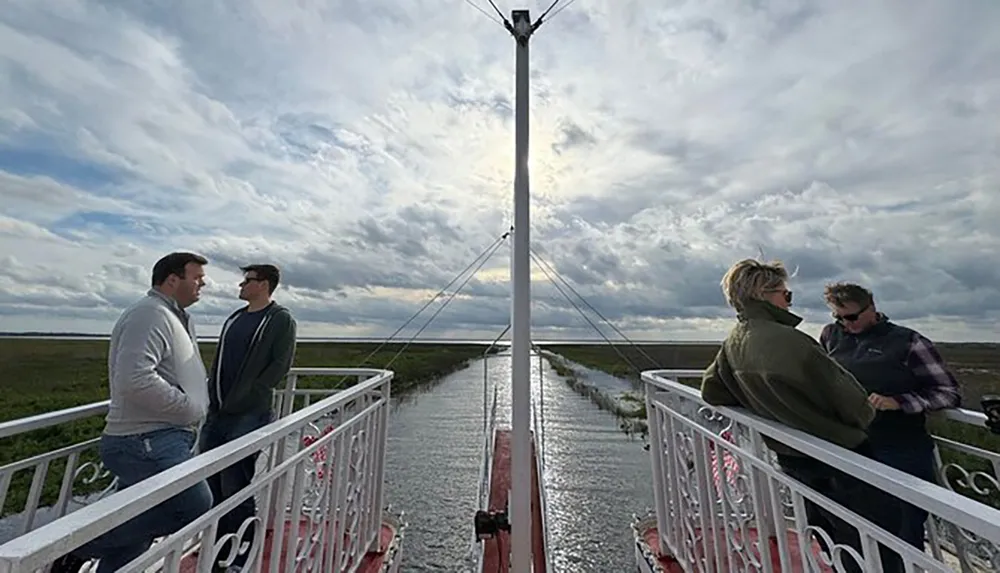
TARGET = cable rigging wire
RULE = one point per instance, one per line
(488, 252)
(551, 12)
(583, 314)
(561, 8)
(638, 348)
(494, 249)
(484, 12)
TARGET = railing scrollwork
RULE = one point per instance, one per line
(318, 489)
(724, 503)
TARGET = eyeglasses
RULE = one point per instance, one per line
(849, 317)
(247, 280)
(787, 293)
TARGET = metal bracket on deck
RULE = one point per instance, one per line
(489, 523)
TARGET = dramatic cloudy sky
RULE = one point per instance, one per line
(366, 146)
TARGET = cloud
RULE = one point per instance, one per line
(367, 148)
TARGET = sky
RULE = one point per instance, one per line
(366, 148)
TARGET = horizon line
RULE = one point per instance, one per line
(37, 335)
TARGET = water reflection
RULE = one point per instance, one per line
(595, 476)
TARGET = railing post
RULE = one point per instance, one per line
(288, 405)
(279, 449)
(958, 539)
(706, 506)
(383, 433)
(763, 504)
(661, 484)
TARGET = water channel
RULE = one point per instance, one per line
(595, 476)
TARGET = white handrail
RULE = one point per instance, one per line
(57, 417)
(962, 415)
(967, 513)
(76, 528)
(48, 419)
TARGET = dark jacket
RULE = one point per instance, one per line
(774, 370)
(878, 359)
(267, 361)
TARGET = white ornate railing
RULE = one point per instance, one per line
(715, 479)
(321, 465)
(73, 468)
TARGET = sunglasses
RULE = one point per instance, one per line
(787, 293)
(849, 317)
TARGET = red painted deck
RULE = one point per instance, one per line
(671, 565)
(372, 562)
(496, 551)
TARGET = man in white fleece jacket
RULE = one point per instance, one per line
(159, 398)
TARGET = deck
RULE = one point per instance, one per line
(496, 551)
(797, 563)
(372, 562)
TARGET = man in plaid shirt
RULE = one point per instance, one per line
(906, 378)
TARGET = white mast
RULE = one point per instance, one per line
(520, 383)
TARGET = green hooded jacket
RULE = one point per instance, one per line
(778, 372)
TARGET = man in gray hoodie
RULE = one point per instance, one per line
(255, 351)
(159, 399)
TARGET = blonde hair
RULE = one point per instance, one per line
(749, 279)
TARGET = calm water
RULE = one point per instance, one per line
(595, 476)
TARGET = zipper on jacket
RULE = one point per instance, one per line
(218, 351)
(257, 335)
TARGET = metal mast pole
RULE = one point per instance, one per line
(520, 383)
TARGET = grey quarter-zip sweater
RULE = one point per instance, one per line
(156, 374)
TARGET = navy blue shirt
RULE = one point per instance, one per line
(239, 335)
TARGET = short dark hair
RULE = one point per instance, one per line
(173, 264)
(270, 273)
(839, 294)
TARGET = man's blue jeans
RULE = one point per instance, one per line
(133, 459)
(915, 457)
(219, 430)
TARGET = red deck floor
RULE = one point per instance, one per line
(372, 562)
(671, 565)
(496, 551)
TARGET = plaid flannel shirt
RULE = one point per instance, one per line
(939, 389)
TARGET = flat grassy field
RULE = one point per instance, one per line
(976, 365)
(44, 375)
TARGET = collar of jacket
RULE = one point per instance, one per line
(763, 310)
